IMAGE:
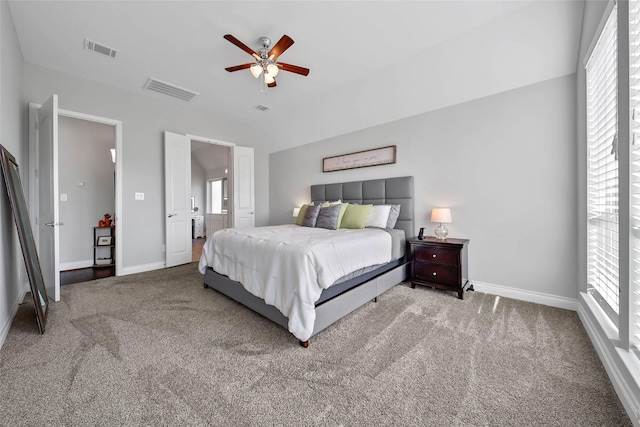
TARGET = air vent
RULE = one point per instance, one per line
(169, 89)
(262, 107)
(99, 48)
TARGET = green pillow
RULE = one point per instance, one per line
(300, 218)
(355, 216)
(343, 209)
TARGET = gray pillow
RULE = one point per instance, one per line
(310, 216)
(394, 213)
(328, 217)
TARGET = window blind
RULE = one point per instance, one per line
(634, 188)
(602, 179)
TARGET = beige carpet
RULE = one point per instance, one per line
(158, 349)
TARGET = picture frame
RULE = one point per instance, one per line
(360, 159)
(104, 241)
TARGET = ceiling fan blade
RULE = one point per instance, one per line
(283, 44)
(294, 68)
(242, 46)
(239, 67)
(272, 84)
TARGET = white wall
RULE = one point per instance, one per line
(144, 118)
(86, 177)
(13, 278)
(505, 165)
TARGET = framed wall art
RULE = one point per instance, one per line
(360, 159)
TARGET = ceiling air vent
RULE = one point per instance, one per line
(262, 107)
(169, 89)
(99, 48)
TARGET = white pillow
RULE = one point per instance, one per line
(378, 216)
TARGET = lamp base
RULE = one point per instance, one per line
(441, 232)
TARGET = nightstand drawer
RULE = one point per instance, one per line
(435, 273)
(437, 255)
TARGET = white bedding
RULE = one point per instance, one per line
(288, 266)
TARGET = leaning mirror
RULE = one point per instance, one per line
(25, 234)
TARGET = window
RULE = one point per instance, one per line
(217, 196)
(602, 170)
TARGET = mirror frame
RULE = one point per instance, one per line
(25, 233)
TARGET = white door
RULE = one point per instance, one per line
(243, 187)
(177, 187)
(48, 206)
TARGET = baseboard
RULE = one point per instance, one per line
(619, 364)
(7, 326)
(523, 295)
(64, 266)
(142, 268)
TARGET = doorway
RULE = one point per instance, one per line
(86, 183)
(209, 191)
(47, 153)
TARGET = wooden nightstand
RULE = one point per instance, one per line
(440, 264)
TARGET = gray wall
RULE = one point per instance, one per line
(86, 176)
(13, 278)
(505, 165)
(144, 118)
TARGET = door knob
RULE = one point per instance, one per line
(170, 215)
(53, 224)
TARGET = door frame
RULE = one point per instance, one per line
(33, 182)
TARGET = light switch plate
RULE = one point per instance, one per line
(139, 196)
(63, 197)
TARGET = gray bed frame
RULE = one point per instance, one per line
(397, 191)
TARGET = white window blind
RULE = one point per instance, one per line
(602, 180)
(634, 188)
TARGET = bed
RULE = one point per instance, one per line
(333, 300)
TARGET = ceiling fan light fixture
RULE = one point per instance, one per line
(268, 78)
(256, 70)
(272, 69)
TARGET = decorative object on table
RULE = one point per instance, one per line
(440, 264)
(441, 216)
(106, 222)
(104, 241)
(360, 159)
(421, 233)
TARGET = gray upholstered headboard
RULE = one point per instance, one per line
(387, 191)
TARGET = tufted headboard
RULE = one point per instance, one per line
(387, 191)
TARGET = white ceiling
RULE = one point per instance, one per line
(371, 61)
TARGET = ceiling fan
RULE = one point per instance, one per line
(266, 58)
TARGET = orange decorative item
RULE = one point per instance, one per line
(106, 222)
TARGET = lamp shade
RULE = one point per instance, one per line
(441, 215)
(256, 70)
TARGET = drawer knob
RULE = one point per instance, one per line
(434, 273)
(434, 255)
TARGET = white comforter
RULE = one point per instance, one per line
(288, 266)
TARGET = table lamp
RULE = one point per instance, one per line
(441, 216)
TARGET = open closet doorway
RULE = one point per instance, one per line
(45, 194)
(210, 196)
(86, 176)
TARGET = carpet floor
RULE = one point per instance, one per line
(157, 348)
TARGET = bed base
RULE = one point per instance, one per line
(326, 313)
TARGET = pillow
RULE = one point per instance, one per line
(378, 216)
(394, 213)
(355, 216)
(303, 210)
(328, 217)
(311, 216)
(343, 209)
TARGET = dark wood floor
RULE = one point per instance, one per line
(85, 274)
